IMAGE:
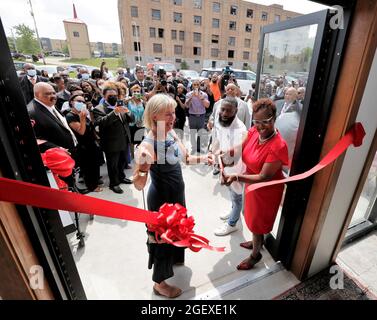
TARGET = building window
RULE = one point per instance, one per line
(197, 61)
(178, 49)
(178, 60)
(157, 48)
(277, 18)
(232, 41)
(248, 28)
(232, 25)
(134, 12)
(247, 43)
(215, 38)
(160, 33)
(137, 58)
(174, 34)
(177, 17)
(214, 52)
(181, 35)
(215, 23)
(231, 54)
(264, 16)
(198, 20)
(246, 55)
(249, 13)
(216, 6)
(197, 37)
(197, 4)
(177, 2)
(197, 51)
(152, 32)
(156, 14)
(137, 46)
(135, 31)
(233, 10)
(76, 34)
(230, 63)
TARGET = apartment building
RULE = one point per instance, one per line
(201, 33)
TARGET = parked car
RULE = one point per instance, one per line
(189, 74)
(51, 69)
(57, 54)
(74, 67)
(244, 77)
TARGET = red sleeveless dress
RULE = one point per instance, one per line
(262, 205)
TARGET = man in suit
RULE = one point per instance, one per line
(145, 85)
(50, 126)
(113, 121)
(28, 81)
(290, 101)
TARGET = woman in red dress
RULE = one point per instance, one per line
(264, 152)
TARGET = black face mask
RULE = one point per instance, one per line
(112, 100)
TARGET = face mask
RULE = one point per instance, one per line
(112, 100)
(31, 72)
(202, 88)
(79, 105)
(85, 76)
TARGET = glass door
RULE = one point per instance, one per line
(299, 55)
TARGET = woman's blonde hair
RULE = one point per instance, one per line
(155, 105)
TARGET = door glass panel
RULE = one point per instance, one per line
(367, 198)
(285, 66)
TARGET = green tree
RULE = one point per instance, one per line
(11, 44)
(65, 50)
(184, 65)
(26, 40)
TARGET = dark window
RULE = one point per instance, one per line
(134, 12)
(249, 13)
(230, 63)
(231, 54)
(160, 33)
(177, 17)
(248, 28)
(197, 51)
(213, 64)
(76, 34)
(137, 46)
(137, 58)
(215, 38)
(232, 25)
(198, 20)
(178, 60)
(264, 16)
(157, 47)
(197, 61)
(233, 10)
(156, 14)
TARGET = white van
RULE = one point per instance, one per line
(244, 77)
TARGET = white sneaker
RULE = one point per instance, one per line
(225, 229)
(225, 216)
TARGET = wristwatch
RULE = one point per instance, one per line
(142, 173)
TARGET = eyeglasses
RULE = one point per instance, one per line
(264, 122)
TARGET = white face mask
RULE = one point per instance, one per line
(32, 73)
(79, 105)
(85, 76)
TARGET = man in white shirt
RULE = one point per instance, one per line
(228, 132)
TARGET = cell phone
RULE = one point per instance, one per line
(120, 103)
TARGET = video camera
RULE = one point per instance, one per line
(227, 75)
(161, 75)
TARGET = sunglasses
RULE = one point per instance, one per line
(263, 122)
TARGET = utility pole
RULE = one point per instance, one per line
(14, 40)
(36, 31)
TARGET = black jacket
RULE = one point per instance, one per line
(146, 87)
(47, 127)
(27, 87)
(114, 133)
(62, 97)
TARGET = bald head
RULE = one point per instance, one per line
(45, 93)
(290, 95)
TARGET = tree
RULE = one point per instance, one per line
(26, 40)
(65, 50)
(184, 65)
(12, 48)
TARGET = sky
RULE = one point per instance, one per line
(101, 16)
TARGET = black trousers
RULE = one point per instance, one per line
(116, 162)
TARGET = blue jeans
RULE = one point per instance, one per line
(236, 207)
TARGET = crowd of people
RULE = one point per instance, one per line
(137, 121)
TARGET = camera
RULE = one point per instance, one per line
(120, 103)
(87, 98)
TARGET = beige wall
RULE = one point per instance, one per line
(79, 47)
(167, 9)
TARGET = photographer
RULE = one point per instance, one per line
(226, 78)
(162, 85)
(145, 85)
(91, 93)
(197, 104)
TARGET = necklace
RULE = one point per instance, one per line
(268, 138)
